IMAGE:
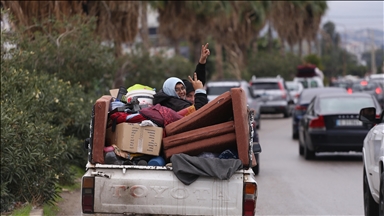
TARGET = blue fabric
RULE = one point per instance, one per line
(169, 86)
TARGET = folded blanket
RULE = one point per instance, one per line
(188, 168)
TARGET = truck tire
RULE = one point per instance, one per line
(381, 203)
(256, 169)
(370, 206)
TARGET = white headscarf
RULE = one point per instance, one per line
(169, 86)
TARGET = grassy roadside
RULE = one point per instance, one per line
(48, 209)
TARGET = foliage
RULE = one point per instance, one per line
(75, 55)
(314, 59)
(153, 70)
(45, 112)
(266, 64)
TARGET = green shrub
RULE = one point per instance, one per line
(154, 70)
(272, 64)
(75, 55)
(44, 120)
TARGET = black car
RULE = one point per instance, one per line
(302, 103)
(331, 123)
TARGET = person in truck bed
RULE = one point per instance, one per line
(174, 93)
(190, 91)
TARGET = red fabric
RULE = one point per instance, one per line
(160, 115)
(120, 117)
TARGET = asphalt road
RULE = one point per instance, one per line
(332, 184)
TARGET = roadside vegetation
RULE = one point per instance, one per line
(56, 63)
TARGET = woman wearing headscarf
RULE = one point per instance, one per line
(173, 94)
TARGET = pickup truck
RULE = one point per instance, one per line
(156, 190)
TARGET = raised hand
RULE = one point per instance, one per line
(204, 54)
(197, 84)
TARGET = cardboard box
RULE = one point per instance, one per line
(136, 139)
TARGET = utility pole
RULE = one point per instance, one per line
(373, 56)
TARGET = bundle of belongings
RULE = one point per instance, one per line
(216, 140)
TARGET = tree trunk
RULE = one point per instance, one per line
(282, 47)
(176, 46)
(119, 77)
(300, 48)
(196, 51)
(269, 38)
(144, 26)
(309, 47)
(219, 60)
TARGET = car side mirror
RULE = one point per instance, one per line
(368, 115)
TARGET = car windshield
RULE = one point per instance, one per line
(344, 104)
(265, 85)
(218, 90)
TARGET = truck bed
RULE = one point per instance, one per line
(150, 190)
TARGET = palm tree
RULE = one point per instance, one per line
(117, 20)
(235, 27)
(304, 18)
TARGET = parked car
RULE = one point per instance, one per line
(302, 103)
(331, 123)
(295, 88)
(274, 95)
(373, 159)
(375, 88)
(216, 88)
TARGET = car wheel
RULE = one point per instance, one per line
(308, 154)
(286, 113)
(301, 148)
(370, 206)
(295, 136)
(381, 205)
(256, 169)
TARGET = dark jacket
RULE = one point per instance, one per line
(178, 104)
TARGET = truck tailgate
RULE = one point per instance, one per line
(159, 191)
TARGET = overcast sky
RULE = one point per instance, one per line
(354, 15)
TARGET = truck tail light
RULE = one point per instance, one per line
(87, 194)
(317, 123)
(250, 193)
(378, 90)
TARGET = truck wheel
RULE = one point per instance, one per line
(370, 206)
(381, 205)
(256, 169)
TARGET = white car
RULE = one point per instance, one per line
(373, 159)
(295, 88)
